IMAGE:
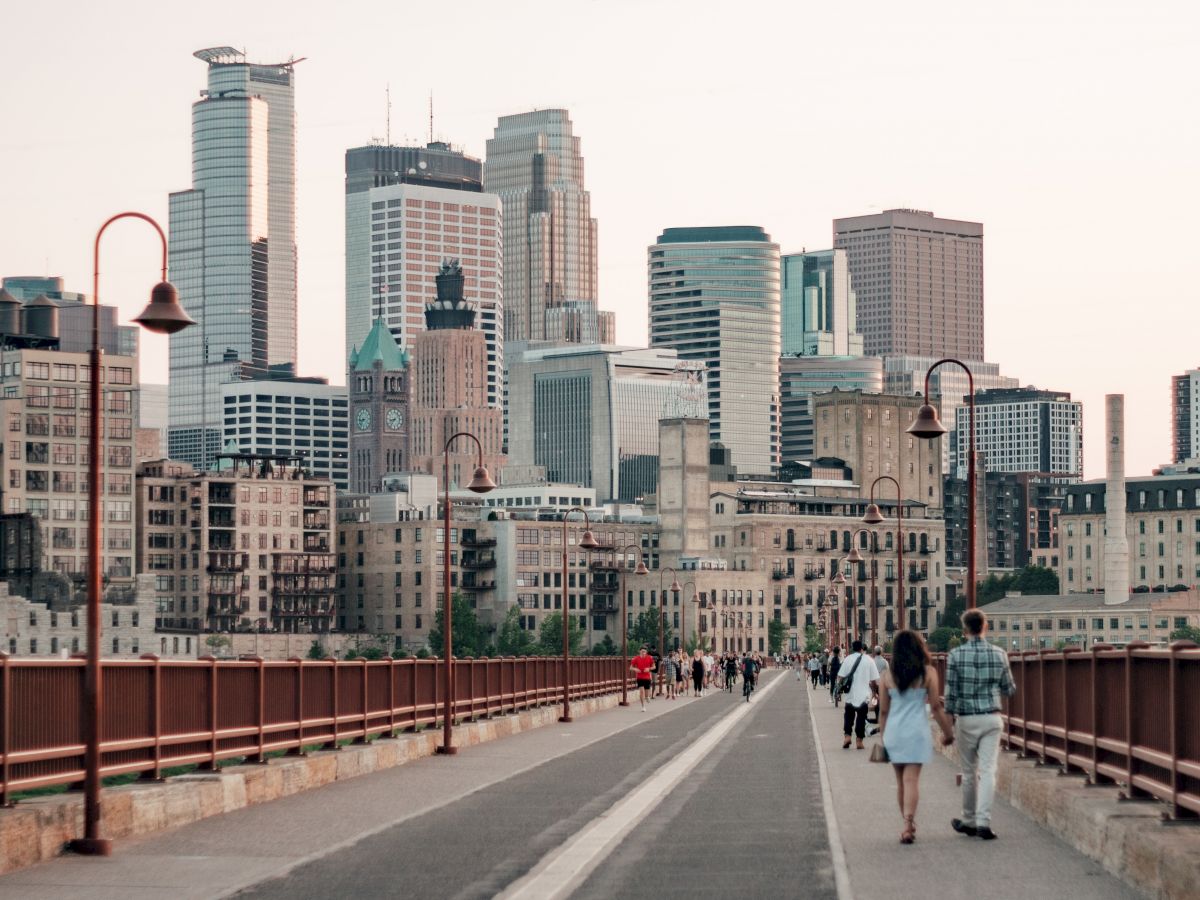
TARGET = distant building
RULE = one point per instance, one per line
(378, 384)
(714, 298)
(819, 315)
(1022, 430)
(1185, 418)
(1018, 516)
(918, 280)
(801, 377)
(75, 316)
(1081, 621)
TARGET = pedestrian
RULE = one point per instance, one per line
(642, 667)
(731, 669)
(854, 679)
(698, 673)
(835, 664)
(709, 664)
(905, 687)
(657, 672)
(881, 664)
(824, 667)
(670, 665)
(814, 669)
(976, 674)
(682, 671)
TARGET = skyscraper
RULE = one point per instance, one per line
(233, 244)
(714, 297)
(819, 316)
(535, 166)
(918, 281)
(408, 210)
(1185, 416)
(1023, 430)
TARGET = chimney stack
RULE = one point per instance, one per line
(1116, 544)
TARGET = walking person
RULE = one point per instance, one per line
(904, 689)
(835, 665)
(670, 665)
(642, 666)
(682, 670)
(657, 673)
(814, 669)
(699, 673)
(976, 674)
(882, 665)
(855, 677)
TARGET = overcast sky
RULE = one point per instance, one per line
(1069, 129)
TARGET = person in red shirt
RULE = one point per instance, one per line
(642, 666)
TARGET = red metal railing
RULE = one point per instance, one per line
(1129, 717)
(160, 714)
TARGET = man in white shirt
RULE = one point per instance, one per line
(860, 671)
(708, 671)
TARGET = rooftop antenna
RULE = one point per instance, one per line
(431, 115)
(389, 113)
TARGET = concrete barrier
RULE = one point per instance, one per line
(38, 828)
(1128, 838)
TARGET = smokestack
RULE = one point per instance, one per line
(1116, 545)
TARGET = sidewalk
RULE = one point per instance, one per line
(1025, 861)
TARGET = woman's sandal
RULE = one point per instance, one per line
(909, 834)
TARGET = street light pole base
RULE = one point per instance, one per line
(446, 751)
(90, 846)
(565, 719)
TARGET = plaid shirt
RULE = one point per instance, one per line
(975, 674)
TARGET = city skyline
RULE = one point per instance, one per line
(1031, 151)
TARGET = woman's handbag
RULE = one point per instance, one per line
(879, 753)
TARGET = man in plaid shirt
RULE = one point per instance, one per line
(976, 673)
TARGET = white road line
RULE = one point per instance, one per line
(841, 871)
(564, 868)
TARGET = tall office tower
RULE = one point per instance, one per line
(803, 377)
(1185, 416)
(714, 297)
(233, 244)
(409, 209)
(1023, 430)
(379, 388)
(919, 282)
(818, 312)
(534, 165)
(450, 388)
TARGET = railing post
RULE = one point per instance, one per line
(210, 765)
(1067, 767)
(1131, 792)
(391, 698)
(261, 703)
(366, 711)
(1094, 776)
(156, 716)
(416, 671)
(333, 698)
(6, 738)
(1173, 712)
(298, 750)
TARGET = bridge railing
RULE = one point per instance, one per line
(1128, 716)
(159, 714)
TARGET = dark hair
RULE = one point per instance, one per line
(973, 621)
(857, 646)
(909, 659)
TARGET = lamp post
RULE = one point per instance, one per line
(856, 557)
(928, 425)
(662, 618)
(481, 483)
(163, 315)
(640, 570)
(874, 517)
(683, 616)
(588, 542)
(837, 580)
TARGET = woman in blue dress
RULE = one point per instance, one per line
(909, 683)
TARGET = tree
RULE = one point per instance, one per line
(1186, 633)
(940, 638)
(1034, 580)
(812, 640)
(645, 630)
(550, 635)
(513, 640)
(776, 632)
(469, 638)
(316, 651)
(217, 643)
(605, 648)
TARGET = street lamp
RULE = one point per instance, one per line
(662, 618)
(481, 483)
(875, 517)
(838, 580)
(683, 616)
(640, 570)
(856, 557)
(928, 425)
(588, 542)
(163, 315)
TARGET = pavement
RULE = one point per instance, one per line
(700, 796)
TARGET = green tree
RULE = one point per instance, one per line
(469, 638)
(605, 648)
(940, 638)
(1034, 580)
(513, 640)
(1186, 633)
(217, 643)
(550, 635)
(316, 651)
(812, 640)
(645, 630)
(776, 632)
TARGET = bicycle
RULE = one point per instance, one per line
(747, 688)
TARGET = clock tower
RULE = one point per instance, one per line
(379, 410)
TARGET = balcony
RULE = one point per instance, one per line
(220, 495)
(605, 585)
(603, 566)
(478, 585)
(782, 574)
(889, 578)
(925, 549)
(478, 563)
(604, 608)
(470, 540)
(813, 574)
(315, 544)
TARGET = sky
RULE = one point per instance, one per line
(1070, 129)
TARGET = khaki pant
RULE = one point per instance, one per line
(978, 739)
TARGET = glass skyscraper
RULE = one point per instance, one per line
(818, 305)
(233, 244)
(714, 297)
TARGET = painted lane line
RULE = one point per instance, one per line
(564, 868)
(841, 871)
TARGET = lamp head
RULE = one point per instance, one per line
(163, 314)
(927, 425)
(641, 569)
(855, 556)
(873, 516)
(839, 578)
(481, 481)
(589, 541)
(675, 585)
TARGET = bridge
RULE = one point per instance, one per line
(704, 796)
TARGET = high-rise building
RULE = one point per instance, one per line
(588, 415)
(1023, 430)
(535, 166)
(75, 316)
(802, 377)
(379, 389)
(1185, 431)
(918, 281)
(714, 297)
(233, 244)
(1017, 513)
(818, 312)
(409, 209)
(449, 388)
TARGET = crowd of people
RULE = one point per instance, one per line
(677, 675)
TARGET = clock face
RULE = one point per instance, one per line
(363, 420)
(395, 419)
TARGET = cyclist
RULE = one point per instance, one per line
(730, 665)
(749, 675)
